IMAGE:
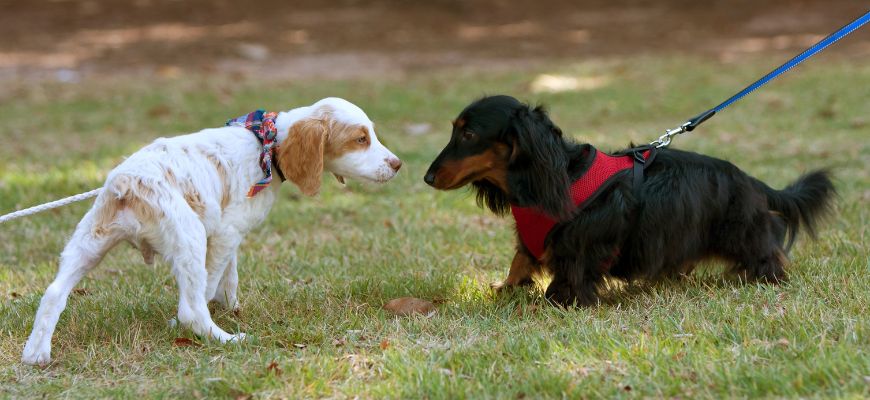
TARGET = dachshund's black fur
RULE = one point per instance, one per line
(689, 207)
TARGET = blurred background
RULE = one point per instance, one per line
(67, 40)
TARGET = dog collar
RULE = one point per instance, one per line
(533, 225)
(262, 125)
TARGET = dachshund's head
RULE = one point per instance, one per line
(510, 152)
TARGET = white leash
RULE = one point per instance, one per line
(48, 206)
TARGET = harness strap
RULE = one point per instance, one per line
(637, 171)
(640, 164)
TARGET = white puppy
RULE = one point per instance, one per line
(186, 198)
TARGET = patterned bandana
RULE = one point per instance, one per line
(262, 125)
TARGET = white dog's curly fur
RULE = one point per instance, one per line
(185, 199)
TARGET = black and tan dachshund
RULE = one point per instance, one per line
(686, 207)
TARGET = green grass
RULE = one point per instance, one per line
(314, 277)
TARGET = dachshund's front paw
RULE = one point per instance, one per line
(498, 286)
(565, 295)
(507, 284)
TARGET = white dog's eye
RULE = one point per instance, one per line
(362, 140)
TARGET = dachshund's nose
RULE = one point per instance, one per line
(429, 178)
(395, 163)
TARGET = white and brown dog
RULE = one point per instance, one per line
(185, 198)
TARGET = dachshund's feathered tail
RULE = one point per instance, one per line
(804, 202)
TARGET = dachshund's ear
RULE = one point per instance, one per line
(300, 156)
(538, 170)
(535, 134)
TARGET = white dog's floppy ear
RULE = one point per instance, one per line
(300, 156)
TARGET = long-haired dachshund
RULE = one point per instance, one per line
(583, 215)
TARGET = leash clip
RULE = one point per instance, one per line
(665, 140)
(688, 126)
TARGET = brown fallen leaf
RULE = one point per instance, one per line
(160, 110)
(184, 342)
(385, 344)
(81, 291)
(14, 295)
(405, 306)
(274, 368)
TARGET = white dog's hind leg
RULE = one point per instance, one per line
(226, 293)
(81, 254)
(184, 245)
(221, 251)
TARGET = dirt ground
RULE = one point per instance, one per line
(70, 39)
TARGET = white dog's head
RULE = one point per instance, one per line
(333, 135)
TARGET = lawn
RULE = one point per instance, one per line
(314, 278)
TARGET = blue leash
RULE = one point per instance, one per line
(692, 123)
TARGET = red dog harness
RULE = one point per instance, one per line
(533, 225)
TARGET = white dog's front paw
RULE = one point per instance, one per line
(33, 355)
(236, 338)
(226, 338)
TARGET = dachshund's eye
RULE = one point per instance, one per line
(468, 135)
(362, 140)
